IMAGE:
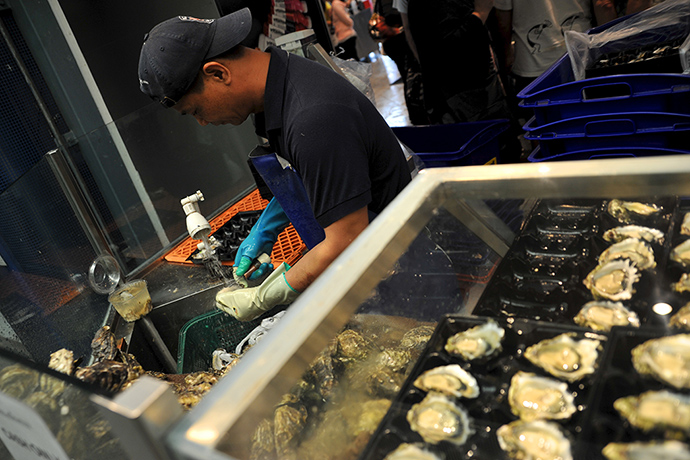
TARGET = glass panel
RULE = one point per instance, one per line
(339, 401)
(63, 404)
(45, 301)
(298, 393)
(143, 164)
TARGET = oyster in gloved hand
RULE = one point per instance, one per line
(247, 304)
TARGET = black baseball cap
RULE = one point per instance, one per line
(174, 50)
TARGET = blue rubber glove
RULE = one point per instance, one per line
(261, 239)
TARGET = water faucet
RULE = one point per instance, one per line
(197, 225)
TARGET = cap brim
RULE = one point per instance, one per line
(231, 30)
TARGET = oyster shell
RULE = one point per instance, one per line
(613, 281)
(667, 359)
(417, 337)
(648, 234)
(535, 440)
(436, 419)
(476, 342)
(62, 361)
(656, 411)
(602, 315)
(351, 346)
(637, 251)
(685, 225)
(563, 357)
(681, 253)
(667, 450)
(407, 451)
(451, 380)
(628, 211)
(683, 283)
(533, 397)
(681, 318)
(395, 359)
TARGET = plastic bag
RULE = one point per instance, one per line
(663, 23)
(359, 74)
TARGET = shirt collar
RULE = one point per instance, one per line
(275, 88)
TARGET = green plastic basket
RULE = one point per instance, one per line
(202, 335)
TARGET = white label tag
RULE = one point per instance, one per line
(25, 434)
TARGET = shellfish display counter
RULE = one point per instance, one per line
(577, 349)
(509, 312)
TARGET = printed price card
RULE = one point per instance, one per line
(25, 434)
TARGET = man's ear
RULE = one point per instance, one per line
(216, 71)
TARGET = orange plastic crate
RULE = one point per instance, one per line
(289, 247)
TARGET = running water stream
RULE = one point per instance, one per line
(213, 263)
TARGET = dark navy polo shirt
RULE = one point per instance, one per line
(337, 141)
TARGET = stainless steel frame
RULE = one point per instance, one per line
(328, 304)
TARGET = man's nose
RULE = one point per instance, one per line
(201, 121)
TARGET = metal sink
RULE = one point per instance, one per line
(167, 319)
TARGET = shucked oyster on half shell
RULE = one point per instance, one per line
(662, 450)
(563, 357)
(407, 451)
(602, 315)
(628, 211)
(683, 284)
(436, 418)
(533, 397)
(667, 359)
(656, 411)
(613, 280)
(535, 440)
(681, 253)
(637, 251)
(681, 318)
(451, 380)
(476, 342)
(648, 234)
(685, 225)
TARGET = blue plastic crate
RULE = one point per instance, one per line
(459, 144)
(652, 130)
(538, 155)
(556, 95)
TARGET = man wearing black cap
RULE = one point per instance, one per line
(347, 157)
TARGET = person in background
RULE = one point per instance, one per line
(344, 152)
(532, 35)
(398, 49)
(345, 35)
(461, 82)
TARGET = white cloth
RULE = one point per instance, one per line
(259, 331)
(538, 28)
(400, 5)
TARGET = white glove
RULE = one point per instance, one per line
(247, 304)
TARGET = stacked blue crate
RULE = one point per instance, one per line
(609, 115)
(458, 144)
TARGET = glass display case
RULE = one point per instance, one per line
(511, 248)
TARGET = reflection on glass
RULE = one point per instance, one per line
(65, 408)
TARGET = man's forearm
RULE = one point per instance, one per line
(339, 235)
